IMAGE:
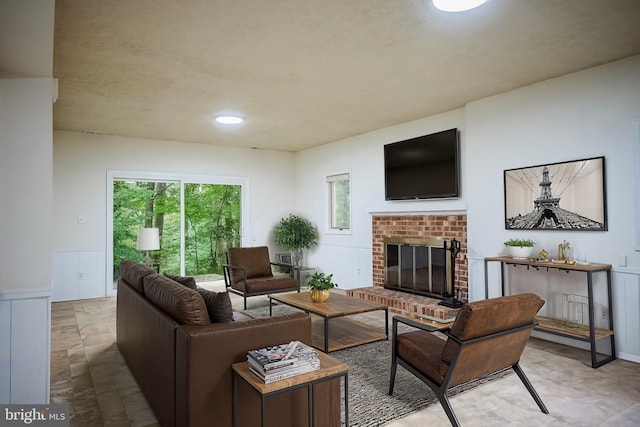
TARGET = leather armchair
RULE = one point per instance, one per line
(487, 336)
(248, 273)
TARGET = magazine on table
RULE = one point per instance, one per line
(283, 361)
(281, 355)
(287, 372)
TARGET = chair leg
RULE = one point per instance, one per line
(245, 301)
(392, 378)
(529, 387)
(444, 401)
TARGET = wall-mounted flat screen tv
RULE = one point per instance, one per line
(425, 167)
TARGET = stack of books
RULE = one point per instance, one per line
(283, 361)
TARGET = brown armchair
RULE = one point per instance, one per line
(248, 273)
(487, 336)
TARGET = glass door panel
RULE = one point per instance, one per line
(212, 224)
(146, 204)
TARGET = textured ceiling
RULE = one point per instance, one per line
(305, 72)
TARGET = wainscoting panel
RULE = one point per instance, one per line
(626, 313)
(79, 274)
(5, 351)
(25, 334)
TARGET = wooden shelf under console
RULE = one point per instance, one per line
(556, 326)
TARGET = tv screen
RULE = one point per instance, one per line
(425, 167)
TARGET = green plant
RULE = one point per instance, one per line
(319, 281)
(520, 242)
(294, 233)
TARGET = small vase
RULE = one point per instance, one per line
(297, 257)
(319, 295)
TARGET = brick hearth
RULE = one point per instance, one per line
(402, 302)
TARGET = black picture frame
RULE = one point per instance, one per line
(567, 196)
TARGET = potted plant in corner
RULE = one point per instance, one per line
(294, 234)
(520, 248)
(320, 286)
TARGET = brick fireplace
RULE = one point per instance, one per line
(420, 227)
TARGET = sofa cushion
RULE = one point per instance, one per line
(133, 272)
(266, 284)
(218, 305)
(184, 305)
(189, 282)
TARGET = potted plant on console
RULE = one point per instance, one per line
(320, 286)
(520, 248)
(294, 234)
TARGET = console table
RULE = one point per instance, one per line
(555, 326)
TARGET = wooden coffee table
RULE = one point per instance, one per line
(335, 331)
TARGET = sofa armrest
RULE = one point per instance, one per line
(205, 353)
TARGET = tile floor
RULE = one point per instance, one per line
(88, 372)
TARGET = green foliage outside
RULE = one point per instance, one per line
(212, 219)
(212, 224)
(341, 200)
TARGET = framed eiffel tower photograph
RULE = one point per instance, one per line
(556, 196)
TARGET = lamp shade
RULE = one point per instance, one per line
(148, 239)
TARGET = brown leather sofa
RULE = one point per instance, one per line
(182, 361)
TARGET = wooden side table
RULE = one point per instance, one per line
(329, 368)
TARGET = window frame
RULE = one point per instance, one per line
(329, 180)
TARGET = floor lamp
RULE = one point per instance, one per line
(148, 240)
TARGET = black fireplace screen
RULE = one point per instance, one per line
(419, 268)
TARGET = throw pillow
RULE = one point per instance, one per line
(189, 282)
(218, 305)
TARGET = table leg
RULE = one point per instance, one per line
(346, 399)
(234, 400)
(310, 407)
(326, 335)
(386, 323)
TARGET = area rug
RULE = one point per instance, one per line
(369, 368)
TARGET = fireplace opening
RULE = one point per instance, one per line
(421, 267)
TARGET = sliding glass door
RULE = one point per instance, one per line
(198, 219)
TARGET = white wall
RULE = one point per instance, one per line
(586, 114)
(582, 115)
(81, 161)
(26, 49)
(25, 233)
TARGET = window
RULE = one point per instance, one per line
(339, 191)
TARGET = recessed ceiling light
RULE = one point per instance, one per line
(457, 5)
(229, 120)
